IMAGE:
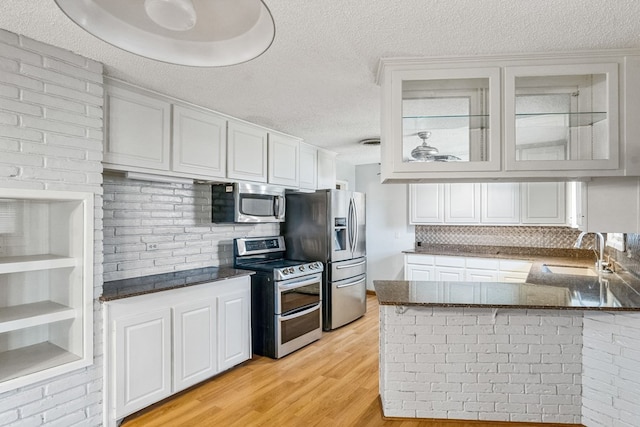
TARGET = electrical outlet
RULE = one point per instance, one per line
(152, 246)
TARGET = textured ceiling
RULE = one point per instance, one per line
(317, 81)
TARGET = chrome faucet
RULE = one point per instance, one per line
(601, 266)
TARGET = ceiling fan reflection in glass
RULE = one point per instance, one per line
(427, 153)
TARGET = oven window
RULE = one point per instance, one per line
(257, 205)
(295, 299)
(294, 328)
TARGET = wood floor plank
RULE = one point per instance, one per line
(332, 382)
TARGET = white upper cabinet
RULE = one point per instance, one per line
(514, 117)
(501, 203)
(562, 117)
(326, 169)
(284, 157)
(426, 204)
(137, 128)
(462, 203)
(246, 152)
(199, 142)
(440, 120)
(543, 203)
(308, 167)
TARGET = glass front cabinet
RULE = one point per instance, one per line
(533, 117)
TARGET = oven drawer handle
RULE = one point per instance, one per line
(350, 284)
(340, 267)
(299, 283)
(301, 313)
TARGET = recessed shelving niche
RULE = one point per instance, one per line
(46, 283)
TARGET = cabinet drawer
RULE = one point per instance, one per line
(515, 265)
(419, 259)
(449, 261)
(483, 263)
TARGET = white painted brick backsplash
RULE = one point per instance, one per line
(176, 217)
(472, 365)
(50, 146)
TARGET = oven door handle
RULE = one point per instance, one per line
(351, 284)
(299, 283)
(301, 313)
(340, 267)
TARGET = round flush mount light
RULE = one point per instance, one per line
(369, 141)
(199, 33)
(174, 15)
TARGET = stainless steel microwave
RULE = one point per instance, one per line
(247, 203)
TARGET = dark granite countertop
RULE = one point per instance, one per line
(125, 288)
(542, 289)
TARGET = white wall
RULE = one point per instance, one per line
(388, 232)
(51, 138)
(346, 172)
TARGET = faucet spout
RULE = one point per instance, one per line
(600, 265)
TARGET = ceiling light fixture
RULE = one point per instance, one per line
(198, 33)
(369, 141)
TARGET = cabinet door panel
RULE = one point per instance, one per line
(234, 328)
(462, 203)
(137, 129)
(326, 170)
(143, 360)
(475, 275)
(462, 293)
(283, 160)
(419, 272)
(449, 274)
(501, 203)
(199, 142)
(194, 343)
(308, 166)
(246, 152)
(426, 203)
(543, 203)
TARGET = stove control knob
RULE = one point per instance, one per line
(284, 271)
(301, 268)
(291, 270)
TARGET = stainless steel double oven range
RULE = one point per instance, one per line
(286, 296)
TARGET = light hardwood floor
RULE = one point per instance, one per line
(332, 382)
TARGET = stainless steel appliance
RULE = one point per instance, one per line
(247, 203)
(329, 225)
(286, 296)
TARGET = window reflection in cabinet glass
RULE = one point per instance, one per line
(445, 120)
(561, 118)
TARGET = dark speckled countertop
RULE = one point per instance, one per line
(542, 289)
(125, 288)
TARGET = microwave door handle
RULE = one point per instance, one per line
(278, 207)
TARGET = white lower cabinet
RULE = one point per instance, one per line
(464, 269)
(234, 329)
(142, 360)
(175, 339)
(194, 343)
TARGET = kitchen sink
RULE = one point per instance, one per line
(567, 269)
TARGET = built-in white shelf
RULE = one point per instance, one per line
(27, 315)
(46, 283)
(17, 264)
(32, 359)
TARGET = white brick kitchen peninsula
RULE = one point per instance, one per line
(510, 359)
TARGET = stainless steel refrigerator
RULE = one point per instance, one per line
(329, 226)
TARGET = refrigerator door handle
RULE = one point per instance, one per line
(350, 225)
(355, 225)
(340, 267)
(351, 284)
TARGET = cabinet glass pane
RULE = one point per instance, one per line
(445, 120)
(561, 118)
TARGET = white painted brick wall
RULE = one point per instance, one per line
(176, 218)
(51, 138)
(611, 370)
(455, 363)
